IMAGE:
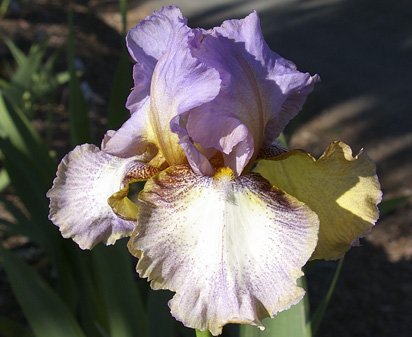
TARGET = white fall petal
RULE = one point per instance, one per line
(231, 248)
(86, 178)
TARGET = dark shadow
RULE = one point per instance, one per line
(205, 18)
(372, 296)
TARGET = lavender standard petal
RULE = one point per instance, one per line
(219, 90)
(147, 42)
(260, 93)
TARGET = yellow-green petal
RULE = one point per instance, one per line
(121, 205)
(342, 189)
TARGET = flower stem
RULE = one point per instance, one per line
(317, 317)
(203, 333)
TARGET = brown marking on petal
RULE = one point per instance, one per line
(121, 205)
(269, 152)
(217, 160)
(178, 177)
(269, 192)
(138, 172)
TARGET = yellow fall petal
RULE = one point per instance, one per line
(341, 189)
(121, 205)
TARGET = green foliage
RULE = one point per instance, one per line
(389, 205)
(45, 311)
(92, 294)
(292, 322)
(124, 304)
(319, 313)
(117, 113)
(33, 80)
(203, 333)
(15, 126)
(11, 328)
(78, 110)
(4, 179)
(4, 5)
(123, 12)
(122, 80)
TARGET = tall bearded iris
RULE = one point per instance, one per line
(226, 219)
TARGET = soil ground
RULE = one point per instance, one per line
(362, 50)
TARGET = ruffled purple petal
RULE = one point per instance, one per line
(293, 86)
(218, 90)
(151, 37)
(260, 92)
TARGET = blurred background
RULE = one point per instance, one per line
(64, 79)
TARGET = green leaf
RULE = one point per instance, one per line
(48, 316)
(121, 296)
(123, 12)
(4, 5)
(4, 85)
(4, 179)
(31, 170)
(22, 225)
(389, 205)
(27, 65)
(282, 140)
(121, 84)
(25, 157)
(33, 79)
(15, 126)
(62, 77)
(203, 333)
(88, 302)
(28, 185)
(31, 192)
(16, 52)
(79, 120)
(317, 317)
(288, 323)
(11, 328)
(25, 179)
(122, 80)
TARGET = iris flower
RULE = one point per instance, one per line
(226, 218)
